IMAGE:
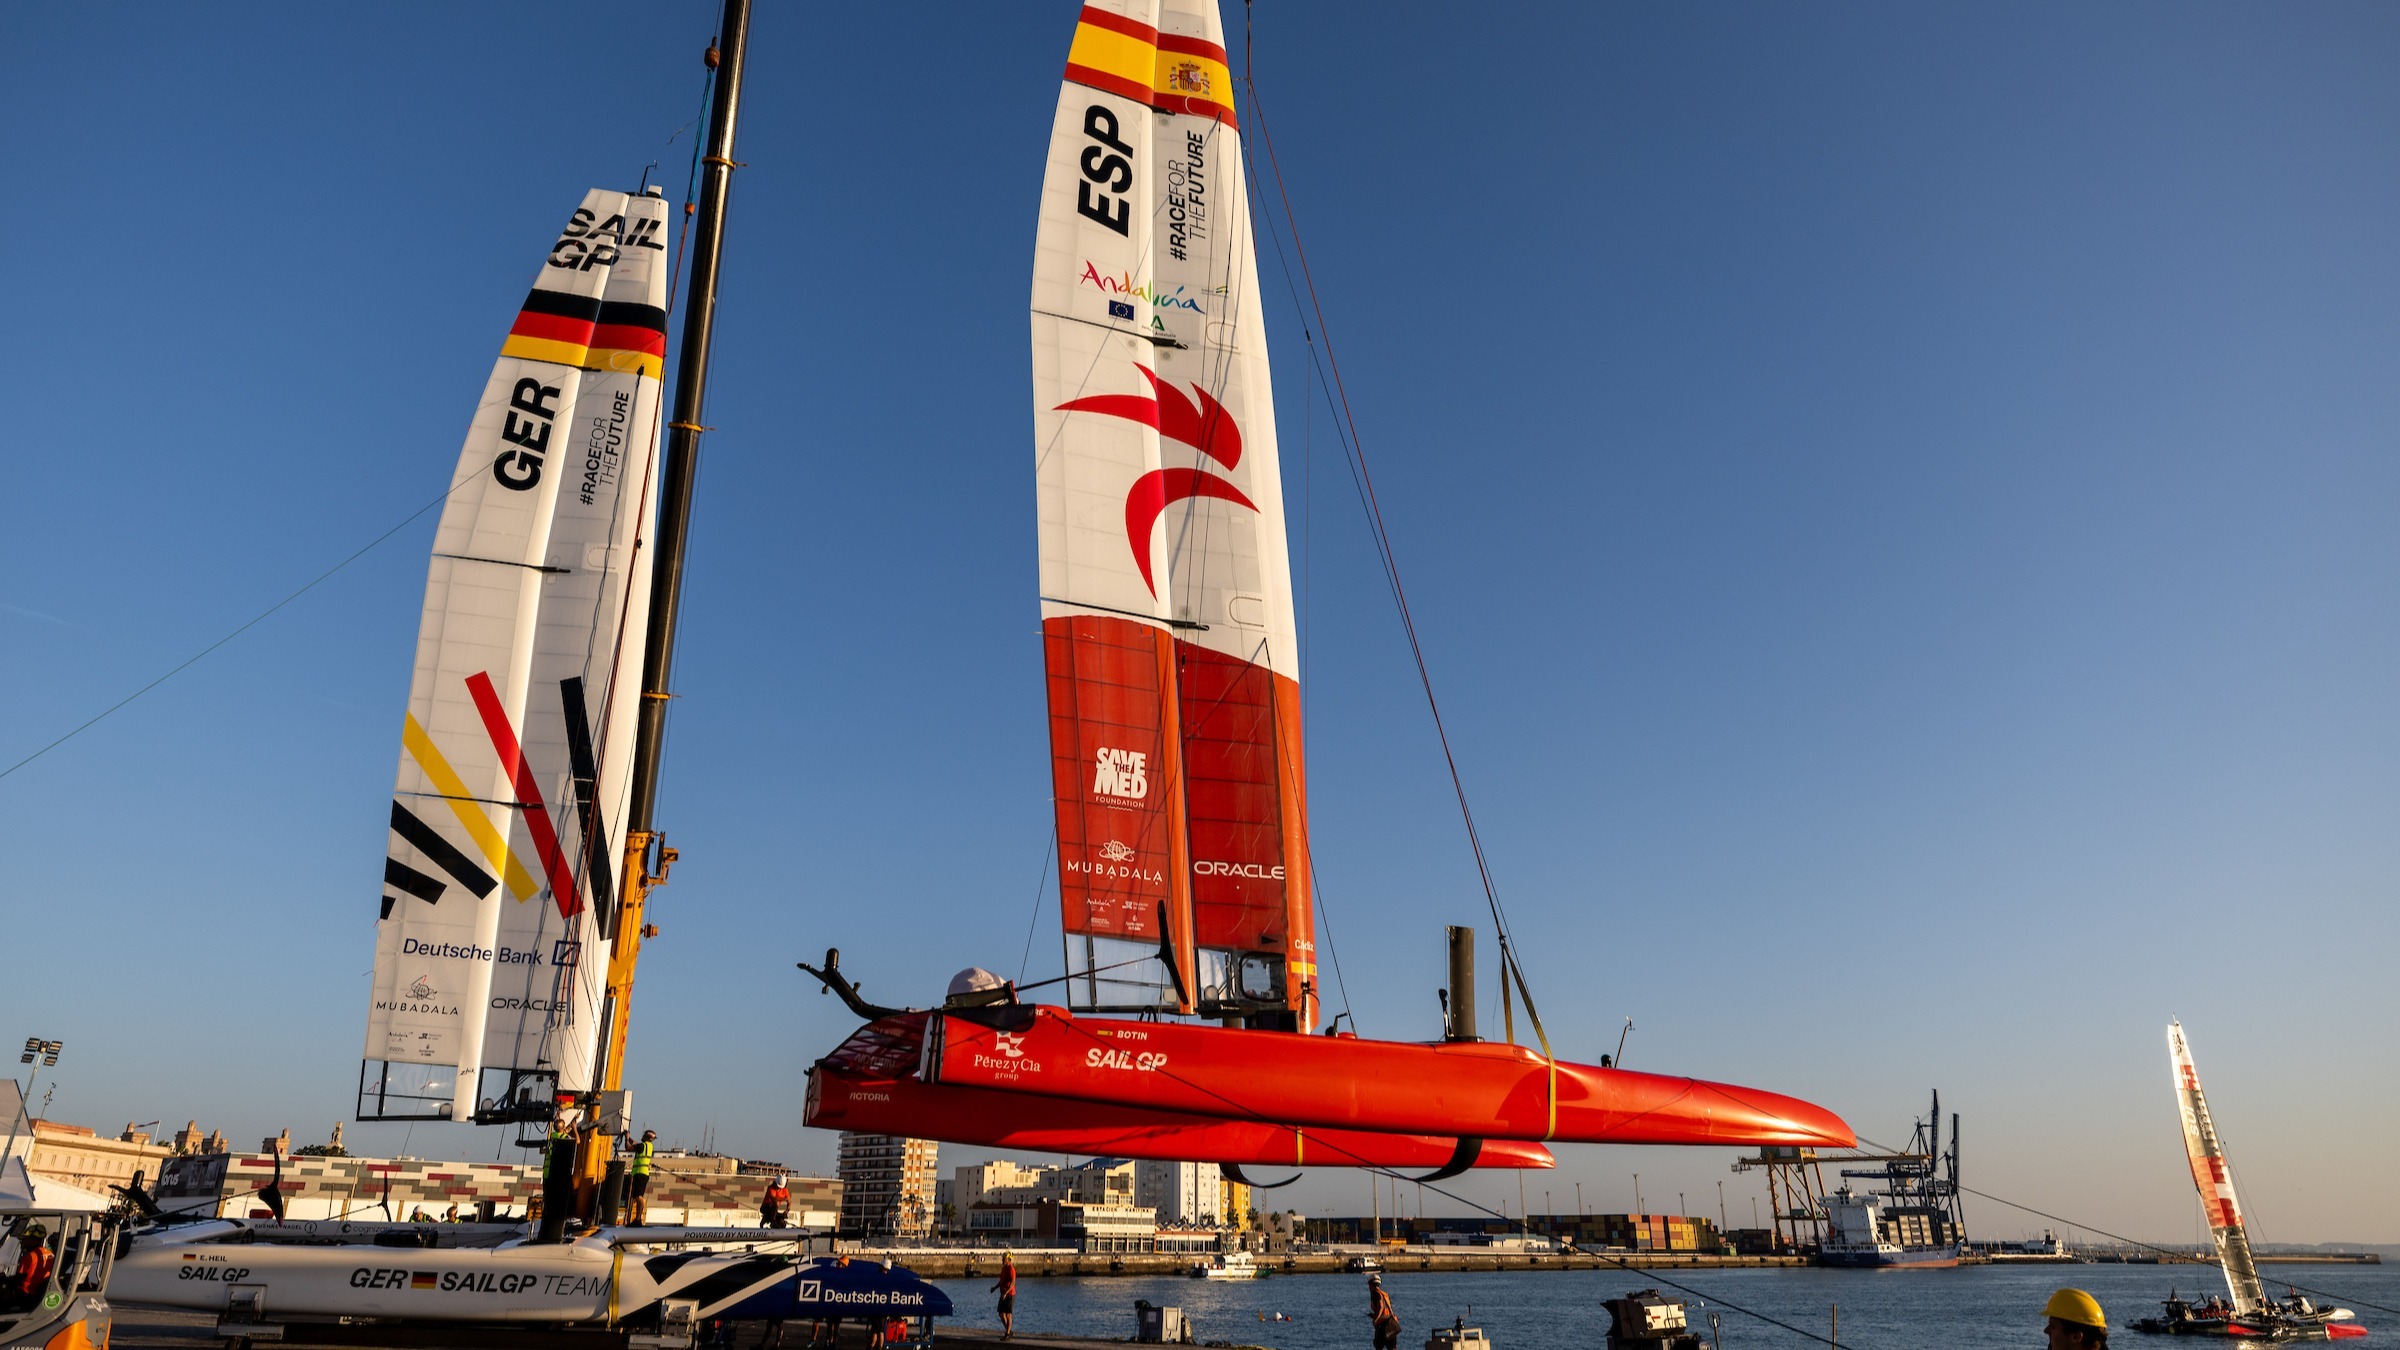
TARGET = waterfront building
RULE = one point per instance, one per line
(698, 1189)
(1184, 1194)
(1626, 1232)
(81, 1157)
(1234, 1204)
(1047, 1221)
(970, 1185)
(189, 1140)
(887, 1186)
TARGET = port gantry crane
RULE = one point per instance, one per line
(1922, 1179)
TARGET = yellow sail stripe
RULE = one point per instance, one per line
(581, 357)
(544, 349)
(616, 358)
(462, 804)
(1109, 52)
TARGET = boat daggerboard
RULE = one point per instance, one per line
(1168, 634)
(2214, 1177)
(508, 815)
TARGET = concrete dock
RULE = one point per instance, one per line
(956, 1263)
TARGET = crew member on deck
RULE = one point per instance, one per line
(638, 1180)
(558, 1175)
(776, 1210)
(2076, 1322)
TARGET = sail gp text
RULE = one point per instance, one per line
(1147, 1061)
(479, 1281)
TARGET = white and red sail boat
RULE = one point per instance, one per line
(1175, 740)
(508, 818)
(2246, 1312)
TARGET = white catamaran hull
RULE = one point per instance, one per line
(587, 1281)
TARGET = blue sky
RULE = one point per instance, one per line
(1897, 500)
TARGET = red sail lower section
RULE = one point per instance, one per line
(844, 1101)
(1116, 762)
(1475, 1089)
(1232, 802)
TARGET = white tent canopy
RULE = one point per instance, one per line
(21, 1192)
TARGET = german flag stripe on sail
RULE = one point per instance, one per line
(592, 334)
(1131, 59)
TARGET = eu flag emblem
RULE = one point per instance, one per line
(1118, 309)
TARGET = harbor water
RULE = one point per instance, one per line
(1972, 1308)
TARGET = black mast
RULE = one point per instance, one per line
(683, 431)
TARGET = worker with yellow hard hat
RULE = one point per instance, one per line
(2076, 1322)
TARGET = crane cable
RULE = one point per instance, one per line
(1339, 392)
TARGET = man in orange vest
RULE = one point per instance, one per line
(34, 1264)
(776, 1209)
(1379, 1312)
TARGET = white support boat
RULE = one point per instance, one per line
(1227, 1266)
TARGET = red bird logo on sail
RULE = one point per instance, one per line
(1205, 426)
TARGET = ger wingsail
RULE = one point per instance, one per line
(508, 813)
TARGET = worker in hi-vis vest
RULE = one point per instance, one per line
(637, 1207)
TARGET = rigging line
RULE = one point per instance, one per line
(2152, 1247)
(1647, 1273)
(2116, 1237)
(691, 187)
(1035, 923)
(1308, 482)
(1381, 532)
(261, 617)
(1317, 893)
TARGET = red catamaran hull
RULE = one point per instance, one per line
(843, 1101)
(1468, 1089)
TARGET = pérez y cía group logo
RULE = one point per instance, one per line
(1011, 1058)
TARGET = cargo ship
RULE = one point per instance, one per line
(1914, 1220)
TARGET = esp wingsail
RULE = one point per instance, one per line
(1168, 637)
(2214, 1177)
(508, 815)
(1170, 653)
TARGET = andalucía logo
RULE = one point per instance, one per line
(1205, 426)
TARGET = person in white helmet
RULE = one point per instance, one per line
(1379, 1312)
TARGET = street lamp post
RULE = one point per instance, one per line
(1637, 1194)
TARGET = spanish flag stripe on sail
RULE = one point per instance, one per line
(1172, 73)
